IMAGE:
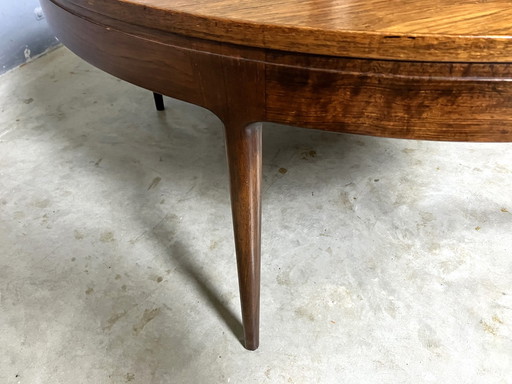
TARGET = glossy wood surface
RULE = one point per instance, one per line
(459, 94)
(243, 147)
(425, 30)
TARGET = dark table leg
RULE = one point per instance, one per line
(159, 101)
(243, 145)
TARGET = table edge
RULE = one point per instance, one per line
(355, 44)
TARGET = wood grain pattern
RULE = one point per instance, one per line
(422, 30)
(428, 101)
(414, 100)
(248, 63)
(243, 147)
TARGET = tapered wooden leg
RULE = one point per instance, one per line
(243, 145)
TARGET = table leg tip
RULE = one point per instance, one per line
(251, 345)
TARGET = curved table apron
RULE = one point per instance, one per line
(464, 95)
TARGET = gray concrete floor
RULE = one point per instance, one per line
(384, 261)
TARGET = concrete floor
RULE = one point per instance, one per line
(384, 261)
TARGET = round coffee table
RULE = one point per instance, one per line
(423, 69)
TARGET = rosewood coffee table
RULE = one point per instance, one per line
(415, 69)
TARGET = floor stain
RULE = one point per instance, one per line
(146, 318)
(118, 277)
(304, 313)
(489, 328)
(427, 216)
(283, 278)
(428, 337)
(97, 164)
(306, 155)
(282, 171)
(496, 319)
(154, 183)
(78, 235)
(107, 237)
(347, 201)
(89, 291)
(158, 279)
(42, 203)
(130, 377)
(28, 101)
(114, 319)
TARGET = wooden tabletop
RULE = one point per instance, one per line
(424, 30)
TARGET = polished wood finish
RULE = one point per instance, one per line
(413, 100)
(406, 69)
(243, 147)
(427, 30)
